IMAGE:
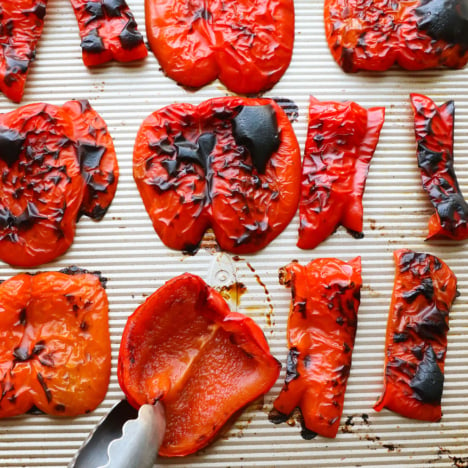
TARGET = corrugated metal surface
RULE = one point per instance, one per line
(125, 248)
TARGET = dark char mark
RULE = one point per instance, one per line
(90, 155)
(113, 7)
(291, 366)
(95, 11)
(39, 10)
(75, 270)
(197, 153)
(130, 37)
(425, 288)
(11, 144)
(92, 43)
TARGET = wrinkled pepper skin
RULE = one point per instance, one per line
(434, 136)
(108, 31)
(341, 140)
(54, 343)
(232, 164)
(416, 340)
(185, 348)
(53, 166)
(414, 34)
(247, 44)
(21, 24)
(321, 331)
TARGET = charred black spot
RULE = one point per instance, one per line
(425, 288)
(22, 317)
(43, 384)
(90, 155)
(59, 407)
(22, 222)
(276, 417)
(301, 307)
(92, 43)
(258, 229)
(95, 11)
(431, 323)
(11, 145)
(418, 352)
(429, 160)
(291, 366)
(347, 60)
(39, 10)
(129, 36)
(14, 66)
(84, 326)
(256, 128)
(400, 337)
(21, 354)
(428, 381)
(74, 270)
(113, 7)
(306, 433)
(445, 19)
(202, 13)
(196, 152)
(170, 165)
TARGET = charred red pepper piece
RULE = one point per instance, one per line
(246, 44)
(341, 140)
(232, 164)
(108, 31)
(55, 347)
(185, 348)
(44, 187)
(21, 24)
(321, 330)
(416, 341)
(434, 135)
(415, 34)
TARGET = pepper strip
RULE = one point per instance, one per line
(416, 340)
(321, 331)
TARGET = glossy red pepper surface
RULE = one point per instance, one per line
(321, 330)
(416, 341)
(54, 346)
(434, 136)
(108, 31)
(415, 34)
(247, 44)
(341, 140)
(185, 348)
(54, 166)
(21, 24)
(232, 164)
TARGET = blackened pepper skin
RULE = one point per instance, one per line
(321, 330)
(423, 293)
(415, 34)
(434, 130)
(232, 164)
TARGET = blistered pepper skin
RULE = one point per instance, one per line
(416, 339)
(246, 44)
(414, 34)
(108, 31)
(434, 128)
(55, 345)
(232, 164)
(341, 140)
(321, 331)
(185, 348)
(53, 163)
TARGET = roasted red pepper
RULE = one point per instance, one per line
(185, 348)
(321, 330)
(231, 163)
(108, 31)
(434, 136)
(341, 139)
(416, 341)
(21, 23)
(55, 164)
(246, 44)
(55, 346)
(415, 34)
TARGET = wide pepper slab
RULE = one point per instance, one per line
(434, 128)
(415, 34)
(108, 31)
(21, 24)
(416, 340)
(341, 140)
(321, 331)
(54, 164)
(54, 343)
(246, 44)
(232, 164)
(185, 348)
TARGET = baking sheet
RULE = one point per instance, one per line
(126, 250)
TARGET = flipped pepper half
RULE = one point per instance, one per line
(416, 341)
(231, 163)
(321, 330)
(54, 343)
(185, 348)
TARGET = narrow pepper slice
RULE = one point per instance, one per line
(54, 343)
(341, 140)
(230, 163)
(246, 43)
(415, 34)
(321, 330)
(434, 136)
(51, 159)
(185, 348)
(21, 24)
(108, 31)
(416, 341)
